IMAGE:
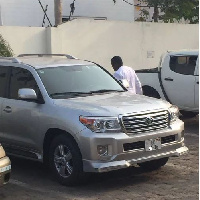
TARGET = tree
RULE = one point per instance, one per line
(58, 12)
(171, 9)
(174, 9)
(5, 49)
(144, 14)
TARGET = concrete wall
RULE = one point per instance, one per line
(25, 12)
(25, 39)
(139, 44)
(29, 12)
(101, 8)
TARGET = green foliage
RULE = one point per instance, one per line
(175, 9)
(144, 14)
(5, 49)
(172, 9)
(187, 9)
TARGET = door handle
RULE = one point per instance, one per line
(198, 82)
(169, 79)
(7, 109)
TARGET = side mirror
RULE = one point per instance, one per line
(27, 93)
(125, 83)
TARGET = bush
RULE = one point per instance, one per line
(5, 49)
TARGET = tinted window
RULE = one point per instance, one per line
(78, 78)
(183, 64)
(21, 78)
(3, 79)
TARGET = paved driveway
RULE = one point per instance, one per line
(178, 179)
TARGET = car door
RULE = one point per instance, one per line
(197, 85)
(20, 117)
(178, 80)
(4, 70)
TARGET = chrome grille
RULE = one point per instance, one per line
(146, 122)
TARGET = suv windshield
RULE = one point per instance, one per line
(77, 80)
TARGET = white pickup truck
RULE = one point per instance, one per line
(175, 80)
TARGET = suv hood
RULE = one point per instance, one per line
(112, 104)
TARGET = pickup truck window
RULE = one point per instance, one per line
(21, 78)
(75, 80)
(3, 79)
(183, 64)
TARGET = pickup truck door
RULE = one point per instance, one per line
(20, 117)
(4, 70)
(197, 84)
(178, 78)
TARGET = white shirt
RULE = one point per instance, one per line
(129, 74)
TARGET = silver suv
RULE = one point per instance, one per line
(75, 117)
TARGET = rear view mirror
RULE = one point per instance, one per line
(27, 93)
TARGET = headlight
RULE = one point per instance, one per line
(173, 113)
(101, 124)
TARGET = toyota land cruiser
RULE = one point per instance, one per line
(76, 117)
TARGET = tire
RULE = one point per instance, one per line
(154, 164)
(188, 113)
(65, 161)
(150, 92)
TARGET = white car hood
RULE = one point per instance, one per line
(112, 104)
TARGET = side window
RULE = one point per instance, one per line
(21, 78)
(183, 64)
(3, 80)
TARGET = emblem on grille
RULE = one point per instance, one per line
(148, 121)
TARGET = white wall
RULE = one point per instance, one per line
(139, 44)
(101, 8)
(29, 12)
(25, 12)
(25, 39)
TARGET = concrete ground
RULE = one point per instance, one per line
(178, 179)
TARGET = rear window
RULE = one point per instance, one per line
(183, 64)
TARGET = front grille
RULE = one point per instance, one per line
(146, 122)
(141, 144)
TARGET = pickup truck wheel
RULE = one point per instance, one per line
(66, 161)
(154, 164)
(188, 113)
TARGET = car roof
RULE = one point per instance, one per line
(45, 61)
(184, 52)
(52, 62)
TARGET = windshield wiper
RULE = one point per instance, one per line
(104, 90)
(70, 93)
(74, 94)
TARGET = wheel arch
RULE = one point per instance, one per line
(150, 91)
(49, 136)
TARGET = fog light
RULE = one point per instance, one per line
(102, 150)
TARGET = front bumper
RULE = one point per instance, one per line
(119, 158)
(115, 165)
(5, 170)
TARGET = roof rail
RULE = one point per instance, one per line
(42, 55)
(11, 59)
